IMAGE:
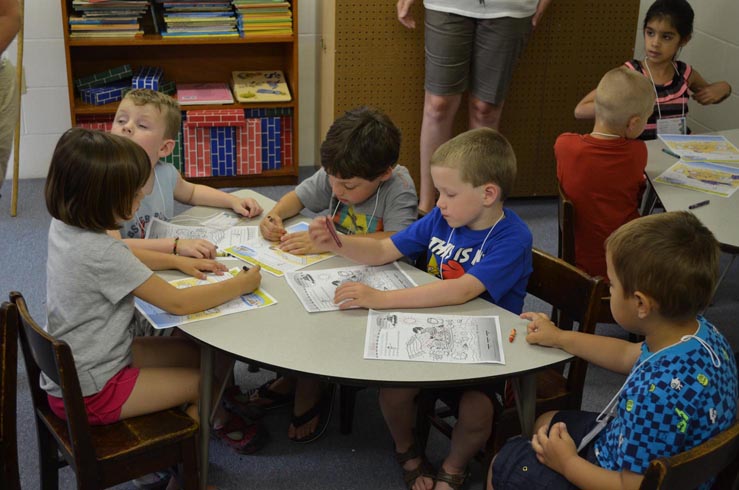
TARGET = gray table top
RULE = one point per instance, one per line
(331, 344)
(721, 216)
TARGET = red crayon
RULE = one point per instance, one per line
(332, 231)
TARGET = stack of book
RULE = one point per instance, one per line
(107, 18)
(264, 17)
(187, 18)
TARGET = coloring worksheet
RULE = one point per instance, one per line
(701, 147)
(161, 319)
(221, 237)
(709, 177)
(426, 337)
(315, 289)
(270, 258)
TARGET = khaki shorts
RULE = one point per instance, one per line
(477, 54)
(8, 114)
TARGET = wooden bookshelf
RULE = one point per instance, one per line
(192, 60)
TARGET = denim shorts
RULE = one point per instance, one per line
(477, 54)
(516, 467)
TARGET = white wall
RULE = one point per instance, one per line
(714, 52)
(45, 105)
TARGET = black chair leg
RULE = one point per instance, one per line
(347, 401)
(49, 459)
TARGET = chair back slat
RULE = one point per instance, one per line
(575, 296)
(8, 399)
(566, 231)
(43, 353)
(687, 470)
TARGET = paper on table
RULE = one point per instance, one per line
(708, 177)
(709, 147)
(316, 288)
(433, 338)
(161, 319)
(222, 238)
(258, 251)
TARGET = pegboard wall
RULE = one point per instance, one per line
(369, 58)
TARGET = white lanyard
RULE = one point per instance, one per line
(372, 218)
(449, 241)
(656, 94)
(609, 412)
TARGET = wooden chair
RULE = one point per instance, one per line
(566, 247)
(105, 455)
(8, 380)
(718, 456)
(576, 295)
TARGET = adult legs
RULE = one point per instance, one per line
(398, 406)
(484, 114)
(436, 128)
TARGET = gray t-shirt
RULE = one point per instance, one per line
(392, 208)
(158, 204)
(89, 279)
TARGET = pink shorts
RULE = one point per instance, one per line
(104, 407)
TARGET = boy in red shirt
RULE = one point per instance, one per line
(602, 172)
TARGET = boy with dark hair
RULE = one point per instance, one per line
(365, 193)
(681, 388)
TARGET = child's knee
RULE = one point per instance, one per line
(392, 397)
(476, 405)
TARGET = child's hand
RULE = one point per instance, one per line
(271, 227)
(556, 449)
(198, 267)
(320, 236)
(356, 294)
(198, 248)
(249, 280)
(541, 330)
(247, 207)
(298, 243)
(711, 94)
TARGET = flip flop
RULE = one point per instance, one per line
(322, 409)
(276, 399)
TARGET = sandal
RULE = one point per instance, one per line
(424, 469)
(235, 401)
(322, 409)
(274, 398)
(242, 437)
(456, 480)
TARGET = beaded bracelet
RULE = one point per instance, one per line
(174, 248)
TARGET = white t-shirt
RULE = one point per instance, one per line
(489, 9)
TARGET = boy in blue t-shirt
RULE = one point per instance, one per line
(478, 248)
(681, 388)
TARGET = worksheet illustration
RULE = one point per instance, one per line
(270, 258)
(433, 338)
(701, 147)
(161, 319)
(223, 238)
(709, 177)
(315, 289)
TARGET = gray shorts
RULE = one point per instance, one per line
(477, 54)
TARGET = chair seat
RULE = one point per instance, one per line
(132, 435)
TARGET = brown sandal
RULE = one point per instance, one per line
(456, 481)
(424, 469)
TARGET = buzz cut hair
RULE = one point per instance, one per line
(621, 95)
(481, 156)
(167, 106)
(670, 257)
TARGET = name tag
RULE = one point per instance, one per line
(673, 125)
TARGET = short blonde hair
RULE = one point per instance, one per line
(671, 257)
(482, 156)
(621, 95)
(168, 107)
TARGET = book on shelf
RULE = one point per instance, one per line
(204, 93)
(260, 86)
